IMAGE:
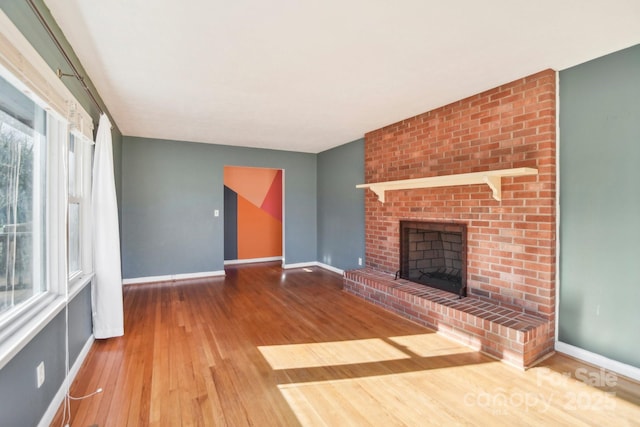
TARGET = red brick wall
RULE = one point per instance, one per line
(511, 243)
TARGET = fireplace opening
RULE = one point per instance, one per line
(434, 254)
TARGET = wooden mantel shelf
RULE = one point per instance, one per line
(492, 178)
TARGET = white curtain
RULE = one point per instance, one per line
(108, 317)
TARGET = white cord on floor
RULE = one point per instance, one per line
(86, 395)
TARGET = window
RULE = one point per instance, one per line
(22, 197)
(75, 194)
(79, 256)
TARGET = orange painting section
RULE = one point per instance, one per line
(252, 183)
(260, 235)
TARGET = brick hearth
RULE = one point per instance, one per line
(515, 337)
(510, 243)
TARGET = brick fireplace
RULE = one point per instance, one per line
(510, 261)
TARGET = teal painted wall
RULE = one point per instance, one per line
(170, 192)
(341, 206)
(21, 403)
(600, 206)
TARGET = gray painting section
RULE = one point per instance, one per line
(22, 403)
(600, 206)
(171, 190)
(341, 206)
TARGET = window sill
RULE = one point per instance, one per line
(35, 319)
(78, 284)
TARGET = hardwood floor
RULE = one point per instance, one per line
(267, 347)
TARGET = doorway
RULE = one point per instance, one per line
(252, 214)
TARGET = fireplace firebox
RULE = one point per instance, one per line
(434, 254)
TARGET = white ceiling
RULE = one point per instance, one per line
(310, 75)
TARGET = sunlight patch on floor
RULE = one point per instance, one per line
(413, 398)
(294, 356)
(428, 345)
(425, 379)
(483, 394)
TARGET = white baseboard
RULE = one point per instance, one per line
(300, 265)
(252, 260)
(50, 413)
(599, 360)
(312, 264)
(331, 268)
(172, 277)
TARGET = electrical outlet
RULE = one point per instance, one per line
(359, 261)
(40, 374)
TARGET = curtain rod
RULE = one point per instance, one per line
(55, 40)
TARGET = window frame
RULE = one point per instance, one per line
(81, 195)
